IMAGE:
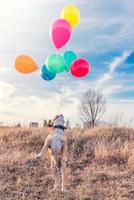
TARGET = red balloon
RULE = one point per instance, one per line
(80, 67)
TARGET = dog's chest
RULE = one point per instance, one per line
(56, 143)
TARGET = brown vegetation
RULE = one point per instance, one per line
(100, 166)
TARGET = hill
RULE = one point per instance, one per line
(100, 166)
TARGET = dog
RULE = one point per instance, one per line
(56, 144)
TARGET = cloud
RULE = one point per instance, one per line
(3, 70)
(6, 89)
(111, 69)
(35, 108)
(109, 26)
(69, 2)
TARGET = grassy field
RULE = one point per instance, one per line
(100, 166)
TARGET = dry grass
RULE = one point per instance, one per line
(100, 166)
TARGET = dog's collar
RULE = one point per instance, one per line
(59, 126)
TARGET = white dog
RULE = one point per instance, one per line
(56, 144)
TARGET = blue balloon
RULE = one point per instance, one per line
(69, 57)
(46, 74)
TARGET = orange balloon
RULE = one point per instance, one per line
(25, 64)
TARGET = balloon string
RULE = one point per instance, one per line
(57, 52)
(61, 101)
(62, 93)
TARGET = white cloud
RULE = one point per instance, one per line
(6, 89)
(111, 69)
(111, 89)
(35, 108)
(117, 61)
(3, 70)
(69, 2)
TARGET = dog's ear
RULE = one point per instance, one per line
(49, 125)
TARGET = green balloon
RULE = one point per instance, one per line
(69, 57)
(55, 63)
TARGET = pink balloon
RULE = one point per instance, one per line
(60, 33)
(80, 67)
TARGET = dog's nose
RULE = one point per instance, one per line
(56, 117)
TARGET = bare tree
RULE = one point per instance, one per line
(1, 123)
(92, 107)
(116, 119)
(68, 123)
(45, 123)
(18, 125)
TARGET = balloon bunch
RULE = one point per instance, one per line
(60, 34)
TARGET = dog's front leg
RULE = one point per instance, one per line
(62, 176)
(42, 151)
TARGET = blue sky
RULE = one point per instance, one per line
(104, 36)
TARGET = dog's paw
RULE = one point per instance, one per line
(65, 160)
(38, 156)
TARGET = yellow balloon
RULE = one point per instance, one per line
(71, 14)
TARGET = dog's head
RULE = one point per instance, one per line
(59, 120)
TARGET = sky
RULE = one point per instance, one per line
(104, 36)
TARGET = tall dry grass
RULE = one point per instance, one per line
(100, 165)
